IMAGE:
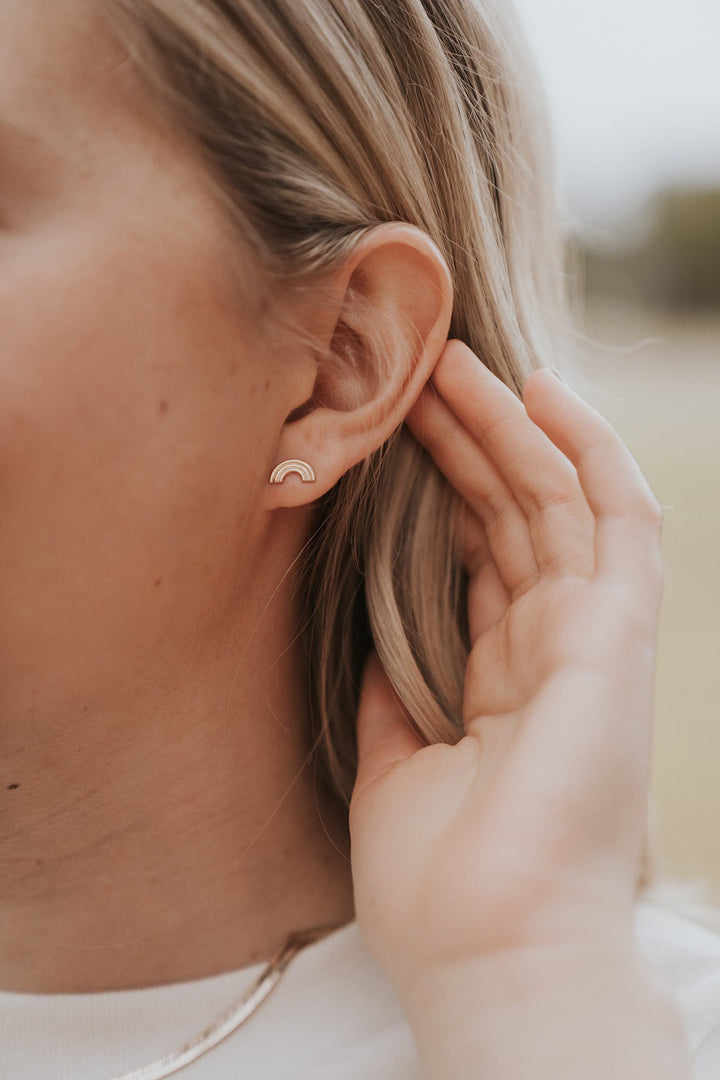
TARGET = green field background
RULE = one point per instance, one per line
(656, 377)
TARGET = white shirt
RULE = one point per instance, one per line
(333, 1016)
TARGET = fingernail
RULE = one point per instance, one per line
(557, 375)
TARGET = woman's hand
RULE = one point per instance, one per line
(528, 833)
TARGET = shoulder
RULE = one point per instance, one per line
(686, 954)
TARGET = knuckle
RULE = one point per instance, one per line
(651, 511)
(541, 501)
(496, 508)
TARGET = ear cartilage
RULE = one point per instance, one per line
(293, 465)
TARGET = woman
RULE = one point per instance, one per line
(324, 611)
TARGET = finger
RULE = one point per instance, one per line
(384, 734)
(488, 600)
(465, 465)
(627, 514)
(488, 597)
(540, 477)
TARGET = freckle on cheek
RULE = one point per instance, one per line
(158, 582)
(267, 384)
(11, 787)
(162, 406)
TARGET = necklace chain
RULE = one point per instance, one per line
(235, 1015)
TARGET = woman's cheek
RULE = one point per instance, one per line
(128, 436)
(82, 444)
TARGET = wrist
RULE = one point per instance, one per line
(563, 1013)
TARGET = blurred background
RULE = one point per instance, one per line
(634, 93)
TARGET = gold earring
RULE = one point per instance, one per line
(293, 465)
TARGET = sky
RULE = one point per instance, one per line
(634, 93)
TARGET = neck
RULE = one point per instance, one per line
(178, 835)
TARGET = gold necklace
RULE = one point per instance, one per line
(236, 1014)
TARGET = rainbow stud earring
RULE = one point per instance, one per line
(293, 465)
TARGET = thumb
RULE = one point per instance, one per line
(384, 734)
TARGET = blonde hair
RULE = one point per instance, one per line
(319, 120)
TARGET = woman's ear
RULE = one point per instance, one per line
(383, 335)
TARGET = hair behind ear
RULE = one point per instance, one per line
(379, 569)
(319, 120)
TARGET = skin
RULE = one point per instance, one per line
(159, 817)
(159, 821)
(539, 866)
